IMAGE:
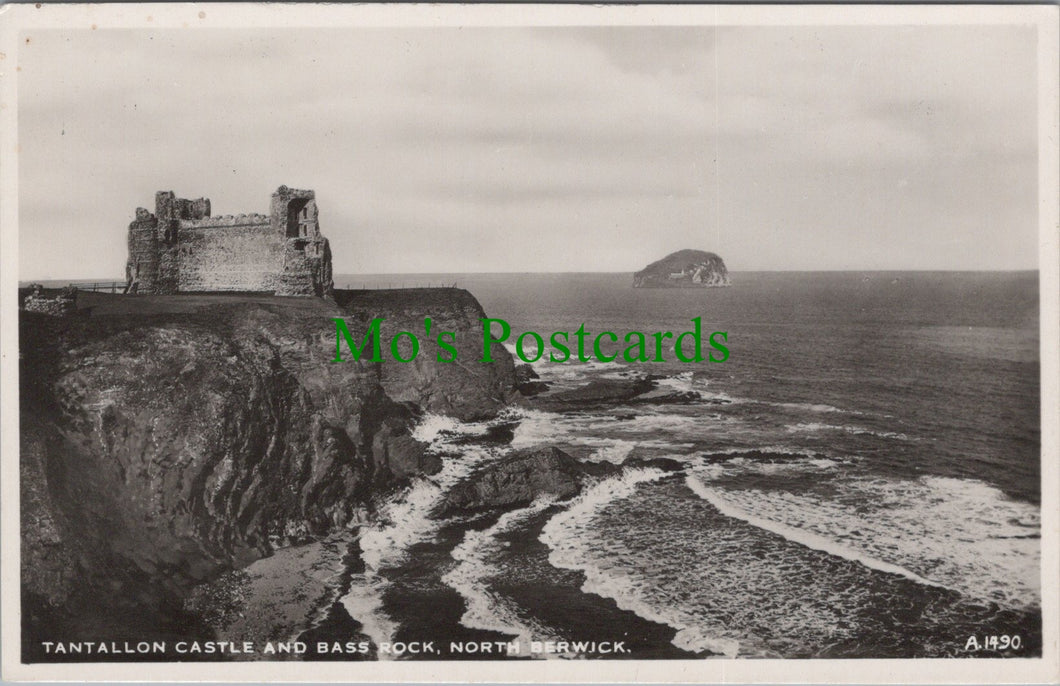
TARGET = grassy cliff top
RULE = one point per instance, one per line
(110, 304)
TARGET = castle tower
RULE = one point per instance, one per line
(141, 269)
(307, 254)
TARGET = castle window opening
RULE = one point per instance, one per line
(301, 216)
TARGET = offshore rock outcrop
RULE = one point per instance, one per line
(684, 269)
(528, 382)
(595, 393)
(519, 478)
(166, 440)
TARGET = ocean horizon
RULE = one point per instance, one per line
(351, 277)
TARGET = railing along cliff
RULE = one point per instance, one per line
(100, 286)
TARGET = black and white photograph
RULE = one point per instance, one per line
(401, 342)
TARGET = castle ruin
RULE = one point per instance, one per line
(181, 248)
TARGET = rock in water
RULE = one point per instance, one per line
(684, 269)
(517, 479)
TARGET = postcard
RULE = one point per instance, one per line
(530, 343)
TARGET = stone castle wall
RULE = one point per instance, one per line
(240, 257)
(181, 248)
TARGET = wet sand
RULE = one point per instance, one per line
(276, 598)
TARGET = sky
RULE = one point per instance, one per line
(523, 149)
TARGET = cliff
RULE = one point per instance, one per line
(167, 439)
(684, 269)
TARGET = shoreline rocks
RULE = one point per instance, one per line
(516, 480)
(596, 392)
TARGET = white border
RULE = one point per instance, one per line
(19, 20)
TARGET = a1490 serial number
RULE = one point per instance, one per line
(995, 642)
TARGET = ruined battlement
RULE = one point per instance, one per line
(180, 247)
(58, 304)
(227, 220)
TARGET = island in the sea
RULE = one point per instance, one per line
(684, 269)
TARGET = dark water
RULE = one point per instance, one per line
(861, 477)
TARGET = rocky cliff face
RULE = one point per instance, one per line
(684, 269)
(165, 440)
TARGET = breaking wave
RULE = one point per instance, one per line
(815, 427)
(364, 602)
(960, 534)
(571, 547)
(484, 609)
(406, 519)
(806, 538)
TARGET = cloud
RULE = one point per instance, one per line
(514, 149)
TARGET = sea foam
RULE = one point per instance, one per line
(961, 534)
(364, 602)
(470, 576)
(571, 547)
(806, 538)
(815, 427)
(406, 519)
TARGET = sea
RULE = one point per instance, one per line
(860, 478)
